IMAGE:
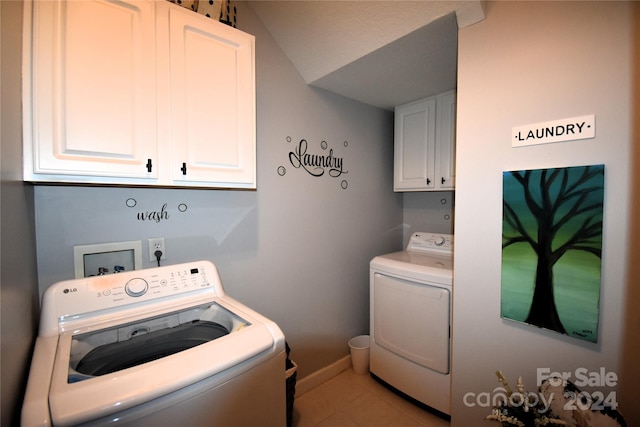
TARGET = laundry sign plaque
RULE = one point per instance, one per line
(583, 127)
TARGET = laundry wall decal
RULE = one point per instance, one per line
(317, 163)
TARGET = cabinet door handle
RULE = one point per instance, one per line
(184, 169)
(428, 181)
(149, 166)
(443, 180)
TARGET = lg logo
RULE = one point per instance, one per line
(67, 290)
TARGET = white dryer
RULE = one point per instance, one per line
(162, 346)
(411, 319)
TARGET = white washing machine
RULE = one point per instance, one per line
(411, 319)
(157, 347)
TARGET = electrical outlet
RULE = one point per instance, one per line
(157, 244)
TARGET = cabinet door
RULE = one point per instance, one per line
(446, 141)
(90, 85)
(212, 79)
(414, 146)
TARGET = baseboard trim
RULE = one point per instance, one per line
(321, 375)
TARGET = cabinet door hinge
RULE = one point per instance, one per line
(149, 166)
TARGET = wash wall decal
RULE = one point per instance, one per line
(552, 248)
(327, 163)
(157, 216)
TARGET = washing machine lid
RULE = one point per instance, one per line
(411, 265)
(112, 349)
(103, 371)
(119, 355)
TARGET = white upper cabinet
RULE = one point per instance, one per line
(446, 141)
(212, 99)
(90, 90)
(414, 146)
(128, 92)
(424, 150)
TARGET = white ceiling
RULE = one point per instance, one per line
(382, 52)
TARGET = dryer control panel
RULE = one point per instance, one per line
(431, 243)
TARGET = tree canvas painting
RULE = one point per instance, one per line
(552, 248)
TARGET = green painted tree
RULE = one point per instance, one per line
(566, 205)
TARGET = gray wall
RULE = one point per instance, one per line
(297, 249)
(531, 62)
(18, 282)
(427, 211)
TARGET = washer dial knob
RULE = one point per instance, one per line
(136, 287)
(439, 240)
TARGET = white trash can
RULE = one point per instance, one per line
(359, 347)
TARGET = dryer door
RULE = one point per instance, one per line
(412, 320)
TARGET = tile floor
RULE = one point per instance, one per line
(352, 400)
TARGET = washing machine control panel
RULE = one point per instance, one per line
(431, 243)
(115, 290)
